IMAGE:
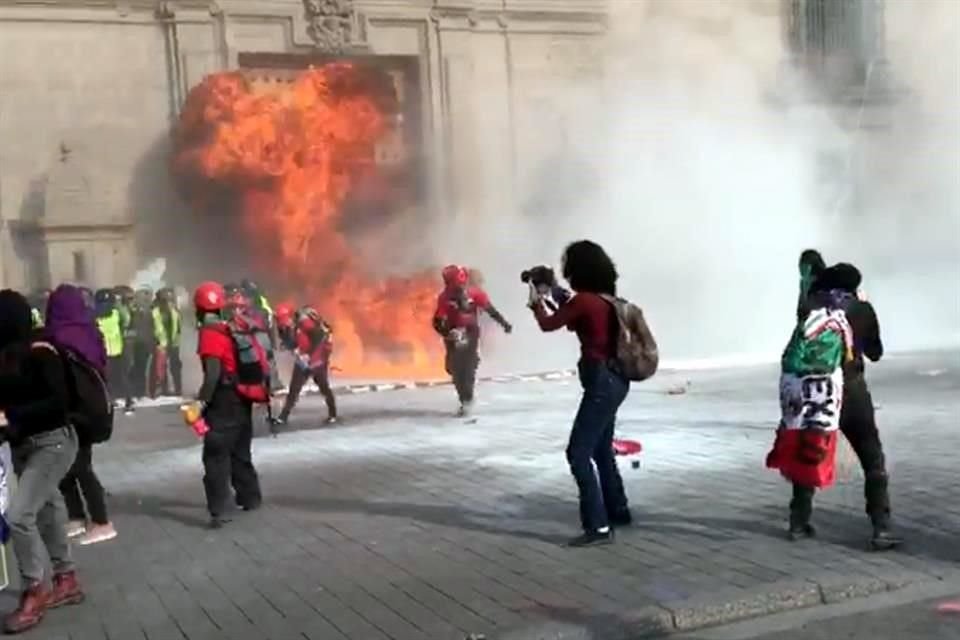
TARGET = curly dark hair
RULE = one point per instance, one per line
(588, 268)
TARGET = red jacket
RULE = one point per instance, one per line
(459, 308)
(314, 342)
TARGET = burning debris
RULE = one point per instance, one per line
(286, 161)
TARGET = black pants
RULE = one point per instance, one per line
(138, 368)
(117, 378)
(81, 479)
(462, 366)
(299, 377)
(160, 379)
(228, 461)
(859, 427)
(176, 369)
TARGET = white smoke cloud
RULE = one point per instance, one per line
(704, 189)
(908, 240)
(699, 185)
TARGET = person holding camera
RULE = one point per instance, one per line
(592, 276)
(457, 320)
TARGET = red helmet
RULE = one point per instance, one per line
(454, 275)
(209, 297)
(285, 312)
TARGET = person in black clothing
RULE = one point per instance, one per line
(227, 458)
(857, 419)
(144, 343)
(34, 400)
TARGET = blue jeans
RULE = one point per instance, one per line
(591, 445)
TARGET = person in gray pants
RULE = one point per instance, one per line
(34, 401)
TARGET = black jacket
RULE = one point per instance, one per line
(866, 337)
(33, 391)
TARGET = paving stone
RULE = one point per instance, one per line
(404, 522)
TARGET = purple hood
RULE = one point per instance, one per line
(70, 324)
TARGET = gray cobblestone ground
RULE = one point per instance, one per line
(405, 523)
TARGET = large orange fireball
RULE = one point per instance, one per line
(288, 159)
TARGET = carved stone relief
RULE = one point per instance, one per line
(331, 24)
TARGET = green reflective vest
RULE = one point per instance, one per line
(265, 305)
(166, 327)
(109, 326)
(126, 319)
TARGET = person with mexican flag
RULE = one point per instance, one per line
(823, 390)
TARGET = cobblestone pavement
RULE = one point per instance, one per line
(920, 612)
(405, 523)
(918, 621)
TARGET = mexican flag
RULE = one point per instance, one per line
(811, 397)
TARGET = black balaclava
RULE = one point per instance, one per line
(842, 276)
(16, 321)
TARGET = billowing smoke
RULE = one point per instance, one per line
(908, 237)
(697, 163)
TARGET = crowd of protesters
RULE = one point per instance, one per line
(131, 340)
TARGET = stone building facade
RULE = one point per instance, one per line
(89, 90)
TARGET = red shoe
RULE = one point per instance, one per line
(66, 590)
(33, 604)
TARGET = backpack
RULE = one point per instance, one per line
(90, 407)
(637, 356)
(254, 353)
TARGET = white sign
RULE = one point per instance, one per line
(812, 401)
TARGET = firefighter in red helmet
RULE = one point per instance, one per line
(311, 339)
(227, 457)
(457, 320)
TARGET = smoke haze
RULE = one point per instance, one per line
(704, 189)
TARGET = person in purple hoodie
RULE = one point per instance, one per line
(71, 326)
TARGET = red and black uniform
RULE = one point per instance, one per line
(312, 340)
(227, 459)
(457, 320)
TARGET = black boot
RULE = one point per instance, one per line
(801, 510)
(883, 538)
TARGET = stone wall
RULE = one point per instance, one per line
(66, 71)
(123, 69)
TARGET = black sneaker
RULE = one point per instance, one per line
(217, 522)
(801, 532)
(331, 420)
(276, 424)
(592, 539)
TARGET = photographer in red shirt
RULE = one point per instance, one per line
(457, 320)
(591, 274)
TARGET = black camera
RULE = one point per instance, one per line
(539, 276)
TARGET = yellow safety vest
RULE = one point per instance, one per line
(160, 329)
(112, 333)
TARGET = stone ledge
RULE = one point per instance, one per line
(721, 608)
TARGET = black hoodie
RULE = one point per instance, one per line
(33, 384)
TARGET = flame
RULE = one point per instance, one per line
(288, 158)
